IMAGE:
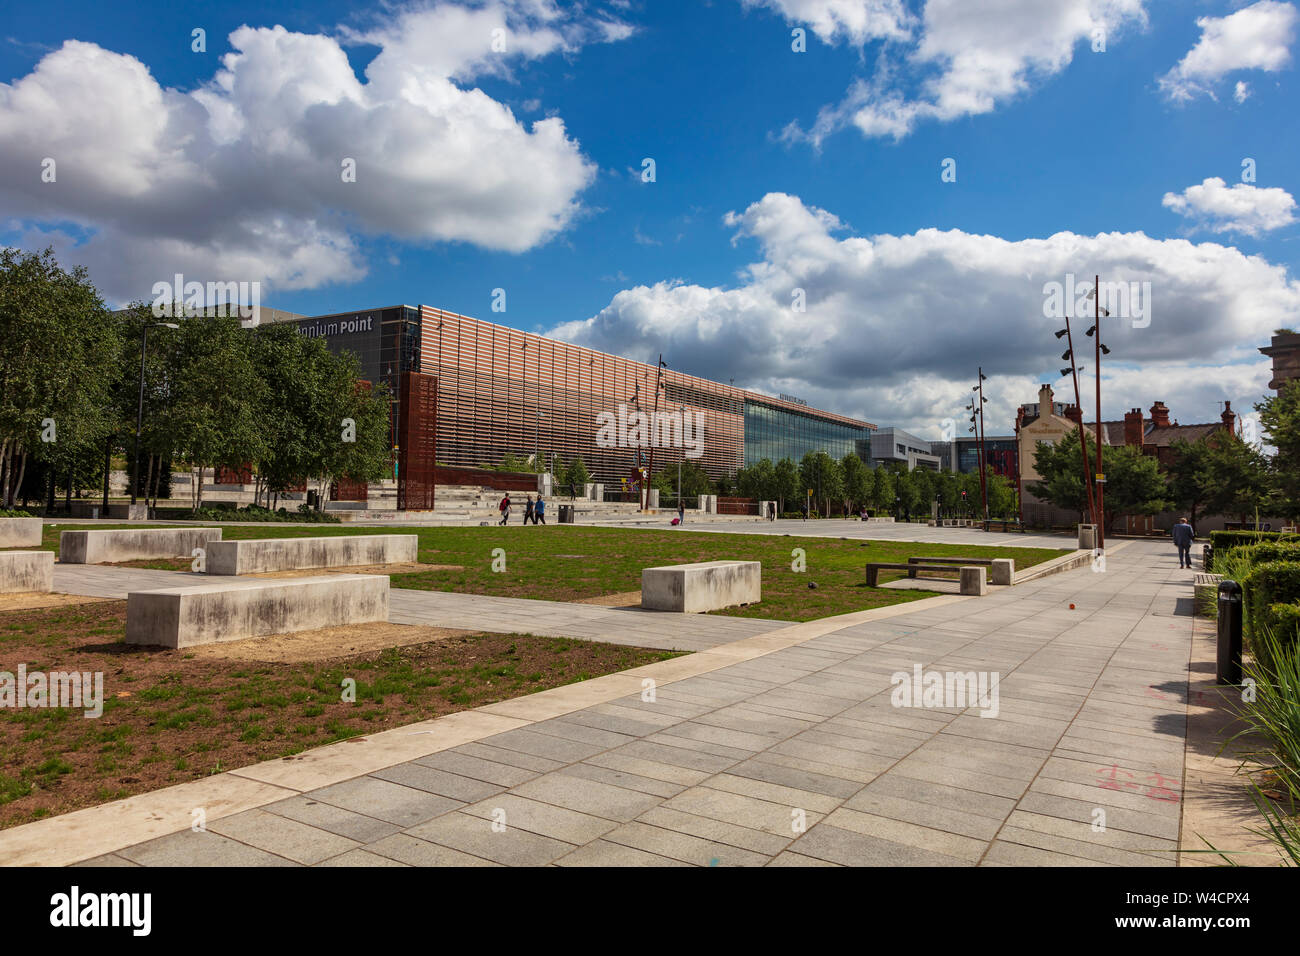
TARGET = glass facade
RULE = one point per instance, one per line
(775, 433)
(1000, 456)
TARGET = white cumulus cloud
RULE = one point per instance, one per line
(1242, 208)
(243, 177)
(857, 21)
(967, 58)
(896, 326)
(1257, 37)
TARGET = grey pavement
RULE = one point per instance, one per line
(477, 612)
(800, 757)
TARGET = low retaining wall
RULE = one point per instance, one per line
(234, 610)
(118, 512)
(26, 571)
(20, 532)
(260, 555)
(1066, 562)
(706, 586)
(132, 544)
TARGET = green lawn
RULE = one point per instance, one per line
(570, 562)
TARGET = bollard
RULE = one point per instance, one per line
(1207, 557)
(1229, 669)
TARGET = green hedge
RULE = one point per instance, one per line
(1268, 587)
(1224, 541)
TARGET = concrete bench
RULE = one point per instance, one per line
(706, 586)
(133, 544)
(1003, 569)
(20, 532)
(973, 582)
(232, 610)
(257, 556)
(26, 571)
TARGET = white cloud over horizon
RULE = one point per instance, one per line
(1244, 208)
(896, 326)
(241, 178)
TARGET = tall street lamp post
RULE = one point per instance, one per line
(139, 410)
(1073, 370)
(1095, 334)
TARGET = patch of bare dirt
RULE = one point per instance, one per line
(622, 599)
(324, 643)
(27, 600)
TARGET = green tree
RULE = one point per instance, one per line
(1134, 484)
(216, 395)
(857, 478)
(1002, 496)
(756, 481)
(1060, 471)
(1189, 476)
(1239, 481)
(1279, 418)
(882, 490)
(59, 349)
(821, 473)
(785, 483)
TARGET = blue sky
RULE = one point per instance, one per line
(1066, 160)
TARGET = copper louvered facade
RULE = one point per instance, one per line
(506, 391)
(501, 391)
(418, 448)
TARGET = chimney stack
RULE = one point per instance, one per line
(1160, 415)
(1133, 431)
(1045, 402)
(1073, 414)
(1229, 418)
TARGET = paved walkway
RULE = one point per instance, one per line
(782, 748)
(687, 632)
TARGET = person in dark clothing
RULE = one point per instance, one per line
(539, 510)
(504, 507)
(681, 511)
(528, 510)
(1183, 534)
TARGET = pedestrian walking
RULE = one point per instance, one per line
(504, 508)
(528, 510)
(681, 511)
(539, 510)
(771, 511)
(1183, 534)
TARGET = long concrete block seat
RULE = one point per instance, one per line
(20, 532)
(231, 610)
(26, 571)
(259, 555)
(133, 544)
(1003, 569)
(705, 586)
(913, 570)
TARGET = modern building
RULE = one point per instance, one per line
(503, 391)
(1284, 350)
(962, 455)
(890, 445)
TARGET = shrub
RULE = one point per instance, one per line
(304, 513)
(1221, 542)
(15, 513)
(1270, 585)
